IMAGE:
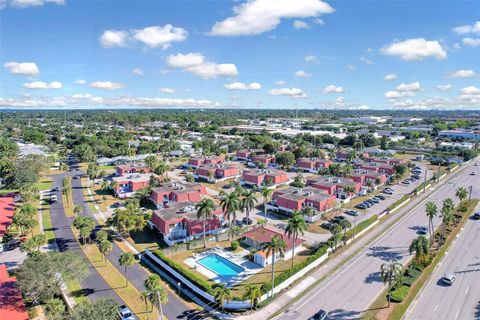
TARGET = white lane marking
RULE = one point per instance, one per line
(345, 306)
(456, 316)
(435, 309)
(331, 298)
(466, 291)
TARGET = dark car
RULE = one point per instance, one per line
(352, 213)
(380, 197)
(250, 221)
(338, 219)
(326, 225)
(374, 200)
(422, 230)
(239, 223)
(320, 315)
(56, 189)
(361, 206)
(476, 215)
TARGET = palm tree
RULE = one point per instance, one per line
(390, 273)
(276, 246)
(449, 203)
(77, 209)
(151, 162)
(252, 293)
(431, 211)
(461, 193)
(159, 295)
(114, 186)
(335, 229)
(205, 209)
(248, 202)
(419, 246)
(222, 294)
(126, 260)
(105, 247)
(67, 186)
(230, 204)
(266, 194)
(105, 185)
(296, 225)
(28, 210)
(145, 297)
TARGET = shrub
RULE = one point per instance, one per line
(195, 279)
(398, 202)
(408, 281)
(413, 273)
(261, 221)
(399, 294)
(359, 227)
(234, 246)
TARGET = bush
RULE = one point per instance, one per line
(408, 281)
(413, 273)
(261, 221)
(234, 246)
(398, 202)
(195, 279)
(359, 227)
(399, 294)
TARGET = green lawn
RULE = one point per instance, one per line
(44, 184)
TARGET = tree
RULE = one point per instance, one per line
(400, 170)
(55, 309)
(77, 209)
(101, 236)
(92, 170)
(461, 194)
(384, 143)
(126, 260)
(285, 159)
(248, 202)
(335, 230)
(85, 226)
(205, 209)
(266, 194)
(345, 224)
(222, 294)
(230, 203)
(114, 187)
(159, 295)
(297, 182)
(67, 187)
(295, 226)
(105, 247)
(431, 212)
(391, 273)
(189, 178)
(32, 245)
(99, 309)
(129, 219)
(151, 161)
(24, 221)
(105, 185)
(252, 293)
(276, 246)
(419, 245)
(145, 297)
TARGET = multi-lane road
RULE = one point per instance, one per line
(349, 291)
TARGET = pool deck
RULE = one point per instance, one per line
(251, 268)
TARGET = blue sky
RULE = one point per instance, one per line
(240, 54)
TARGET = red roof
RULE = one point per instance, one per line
(263, 235)
(11, 303)
(6, 214)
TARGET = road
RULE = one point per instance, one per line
(176, 307)
(462, 299)
(94, 286)
(349, 291)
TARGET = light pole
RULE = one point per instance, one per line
(179, 285)
(354, 226)
(470, 193)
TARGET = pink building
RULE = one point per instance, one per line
(259, 177)
(338, 187)
(264, 159)
(128, 184)
(214, 172)
(131, 168)
(172, 192)
(196, 162)
(243, 155)
(313, 165)
(295, 199)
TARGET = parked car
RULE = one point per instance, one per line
(53, 198)
(375, 200)
(407, 182)
(388, 191)
(338, 219)
(379, 196)
(320, 315)
(55, 189)
(422, 230)
(239, 223)
(476, 215)
(361, 206)
(125, 313)
(326, 225)
(352, 213)
(448, 279)
(247, 222)
(116, 205)
(473, 173)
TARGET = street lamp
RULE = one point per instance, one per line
(179, 285)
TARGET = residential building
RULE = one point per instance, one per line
(269, 177)
(121, 170)
(128, 184)
(460, 134)
(341, 188)
(196, 162)
(264, 159)
(312, 165)
(12, 306)
(7, 207)
(172, 192)
(217, 172)
(243, 155)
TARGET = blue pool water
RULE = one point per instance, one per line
(221, 266)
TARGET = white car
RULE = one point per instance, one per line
(448, 279)
(125, 313)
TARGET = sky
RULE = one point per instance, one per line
(271, 54)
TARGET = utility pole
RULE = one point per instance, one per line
(470, 193)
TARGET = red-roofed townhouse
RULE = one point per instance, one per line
(195, 162)
(217, 172)
(341, 188)
(313, 165)
(131, 168)
(269, 177)
(214, 159)
(7, 207)
(172, 192)
(394, 161)
(128, 184)
(257, 237)
(12, 306)
(243, 155)
(265, 159)
(389, 170)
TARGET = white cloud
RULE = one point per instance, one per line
(196, 63)
(351, 67)
(444, 87)
(390, 77)
(153, 36)
(292, 92)
(310, 58)
(80, 82)
(22, 68)
(333, 89)
(42, 85)
(299, 24)
(302, 74)
(3, 4)
(243, 86)
(471, 42)
(137, 72)
(167, 90)
(319, 21)
(414, 86)
(279, 83)
(415, 49)
(463, 73)
(470, 90)
(474, 28)
(114, 38)
(366, 60)
(258, 16)
(456, 46)
(107, 85)
(156, 36)
(33, 3)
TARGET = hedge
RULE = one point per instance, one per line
(398, 202)
(408, 281)
(399, 294)
(359, 227)
(320, 251)
(198, 281)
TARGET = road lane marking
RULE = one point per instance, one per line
(435, 309)
(456, 316)
(466, 291)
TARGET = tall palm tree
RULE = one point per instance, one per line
(448, 202)
(252, 293)
(105, 247)
(126, 260)
(296, 226)
(67, 186)
(461, 194)
(222, 294)
(248, 202)
(335, 229)
(266, 194)
(145, 297)
(276, 246)
(205, 209)
(27, 209)
(230, 204)
(431, 211)
(390, 272)
(114, 186)
(77, 209)
(151, 162)
(419, 245)
(159, 295)
(55, 308)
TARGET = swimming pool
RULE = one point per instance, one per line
(221, 266)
